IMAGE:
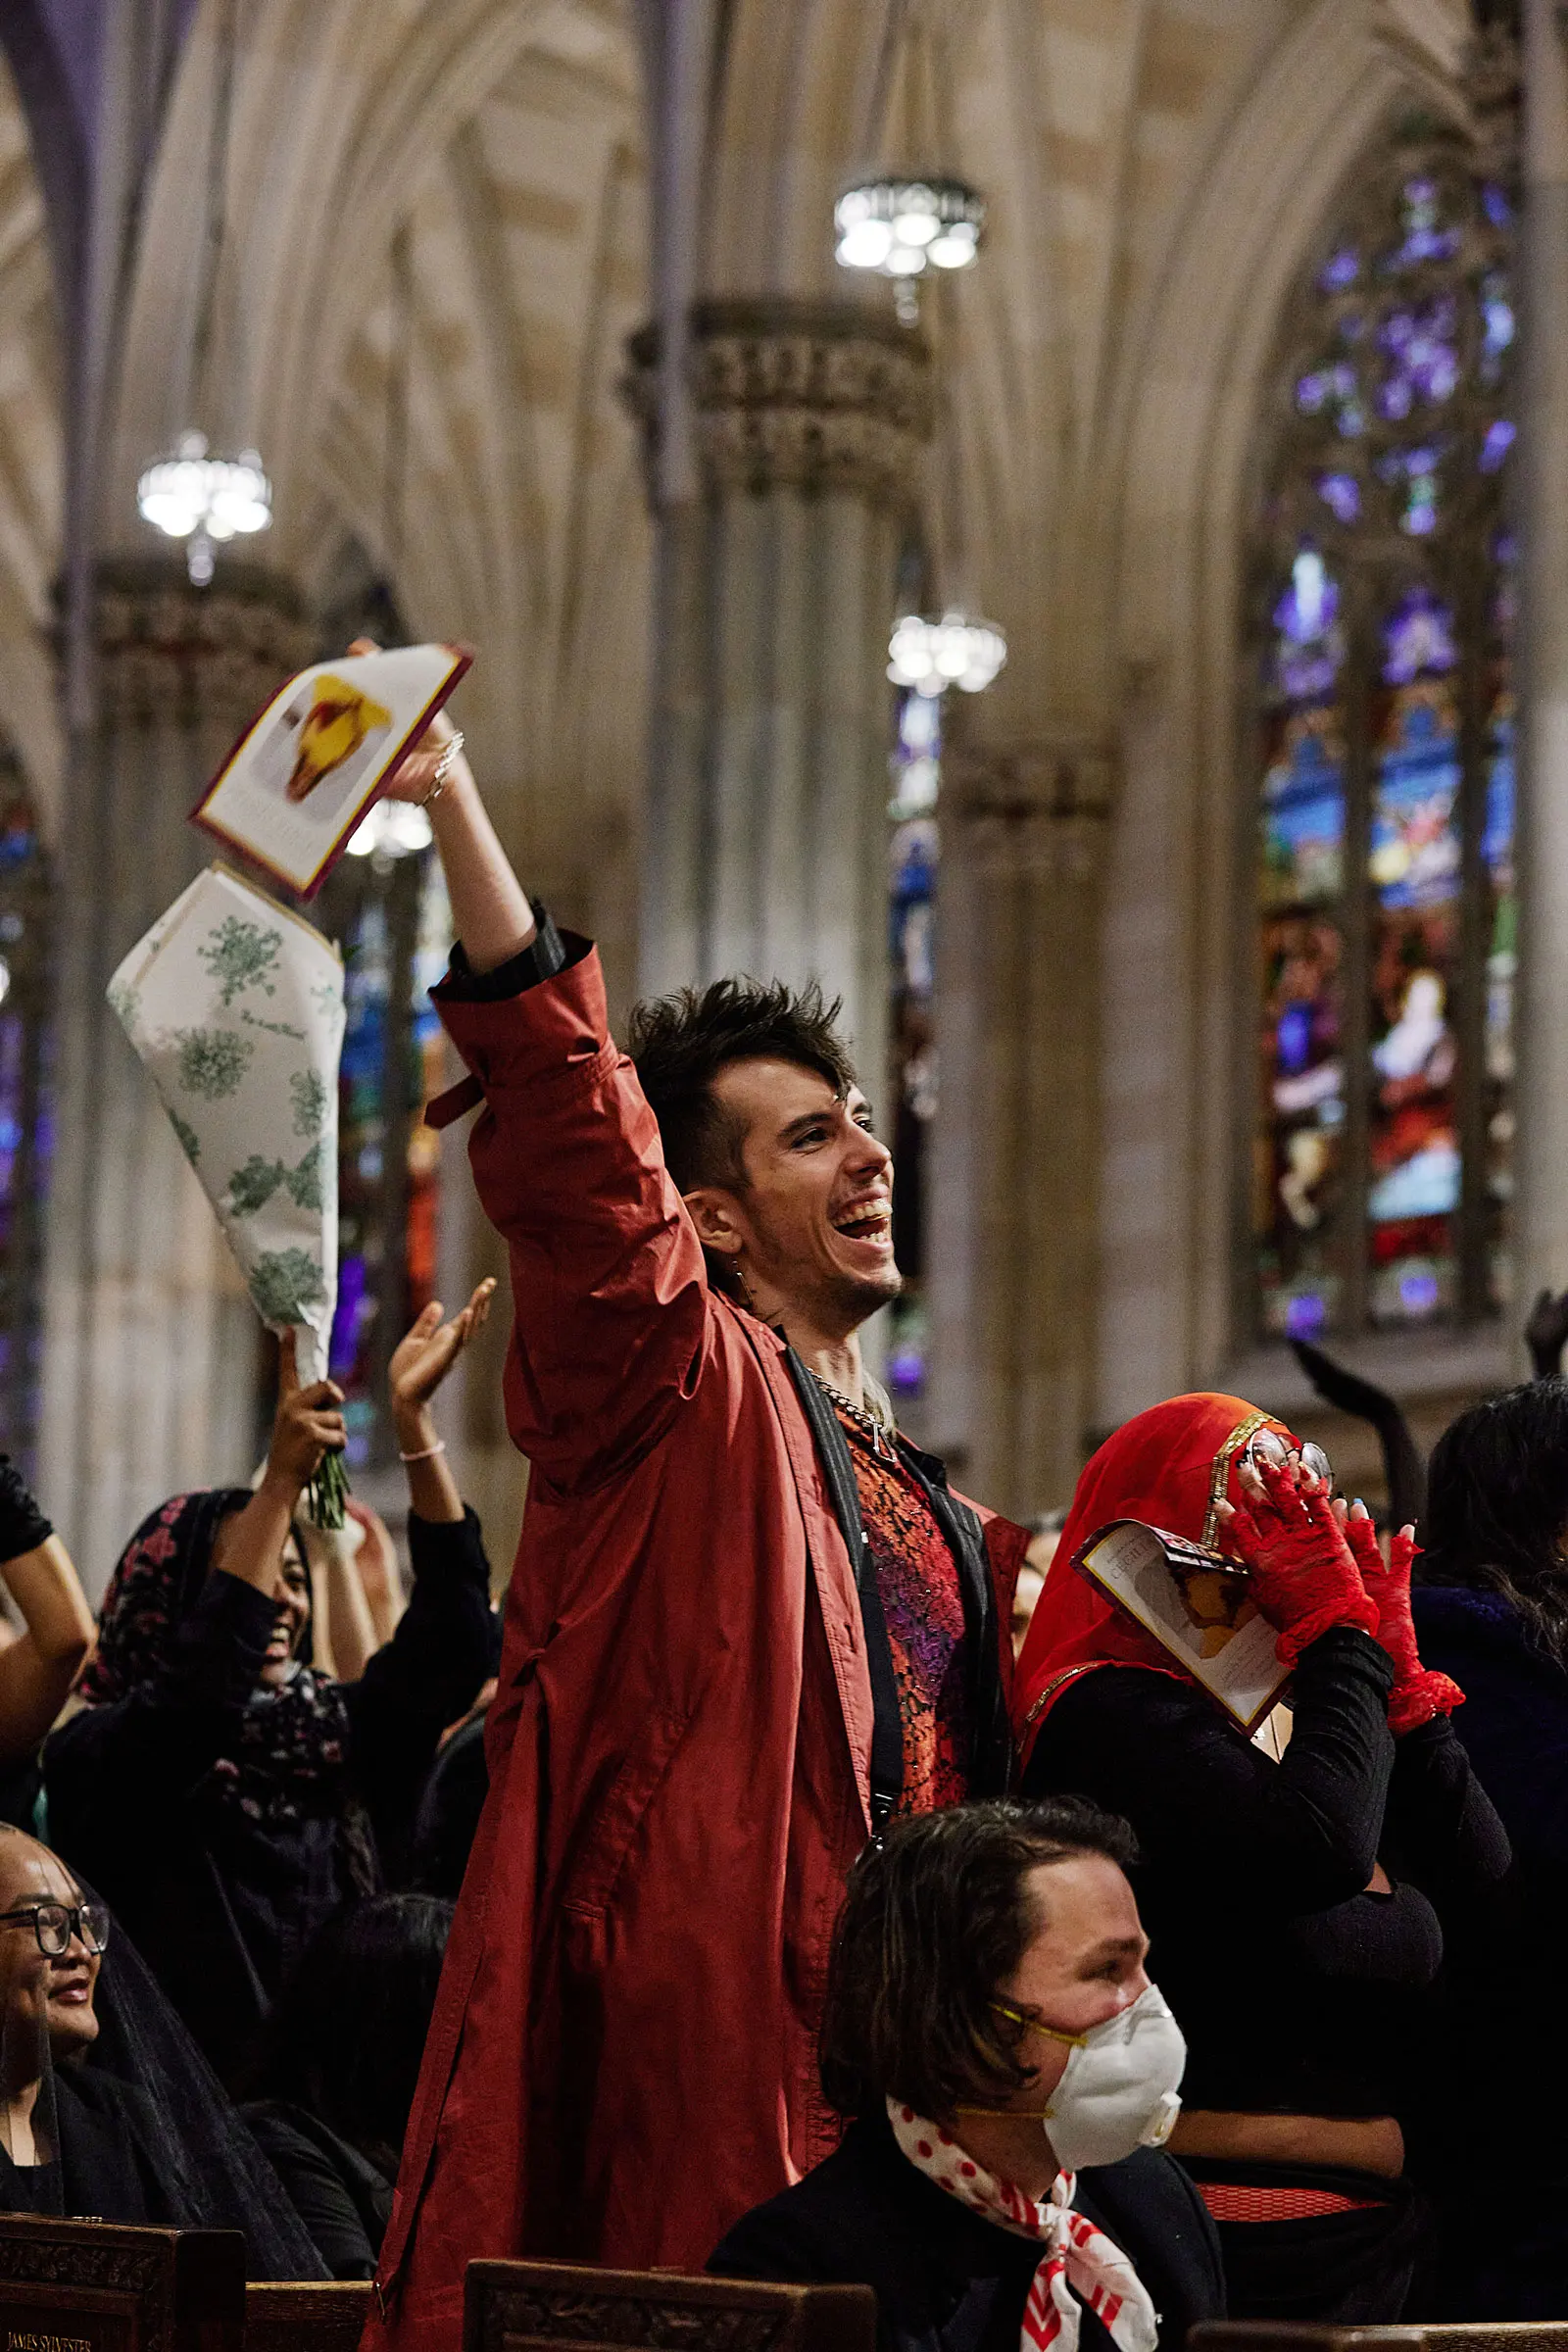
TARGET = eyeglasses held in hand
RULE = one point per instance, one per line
(1267, 1445)
(55, 1924)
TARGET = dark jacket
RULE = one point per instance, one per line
(947, 2280)
(108, 2165)
(1514, 1728)
(1299, 1990)
(342, 2197)
(220, 1907)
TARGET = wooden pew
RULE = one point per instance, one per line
(1471, 2335)
(306, 2316)
(517, 2306)
(97, 2287)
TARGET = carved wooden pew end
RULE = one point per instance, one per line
(523, 2306)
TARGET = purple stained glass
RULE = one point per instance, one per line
(1497, 441)
(1417, 470)
(1424, 240)
(1497, 324)
(1340, 493)
(1423, 362)
(1309, 648)
(1418, 639)
(1335, 387)
(1306, 1315)
(1342, 269)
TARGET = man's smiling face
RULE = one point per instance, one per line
(814, 1213)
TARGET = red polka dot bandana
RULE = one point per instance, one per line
(1081, 2266)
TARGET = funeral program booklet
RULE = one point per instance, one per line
(302, 774)
(1196, 1605)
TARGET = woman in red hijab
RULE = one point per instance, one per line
(1296, 1954)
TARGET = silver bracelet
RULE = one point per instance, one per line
(428, 1455)
(443, 767)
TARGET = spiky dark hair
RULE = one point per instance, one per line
(680, 1043)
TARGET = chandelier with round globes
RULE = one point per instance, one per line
(930, 655)
(205, 500)
(900, 228)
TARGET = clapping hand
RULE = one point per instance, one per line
(426, 1354)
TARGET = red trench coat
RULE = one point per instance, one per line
(621, 2059)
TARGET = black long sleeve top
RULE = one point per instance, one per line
(1299, 1990)
(221, 1905)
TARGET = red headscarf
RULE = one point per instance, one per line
(1158, 1467)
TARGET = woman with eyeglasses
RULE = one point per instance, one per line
(1292, 1889)
(222, 1792)
(106, 2107)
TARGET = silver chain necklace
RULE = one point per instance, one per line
(868, 1422)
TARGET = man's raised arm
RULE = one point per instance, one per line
(608, 1291)
(490, 910)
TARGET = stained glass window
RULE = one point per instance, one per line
(913, 851)
(390, 917)
(24, 1126)
(1384, 586)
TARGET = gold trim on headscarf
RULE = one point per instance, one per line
(1220, 1475)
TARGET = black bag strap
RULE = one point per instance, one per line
(838, 1472)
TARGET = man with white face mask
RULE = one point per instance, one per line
(990, 2029)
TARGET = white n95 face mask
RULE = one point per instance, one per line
(1119, 2090)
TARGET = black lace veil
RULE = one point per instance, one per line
(139, 2120)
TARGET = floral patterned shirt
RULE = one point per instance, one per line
(922, 1601)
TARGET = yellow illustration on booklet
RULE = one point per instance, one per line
(300, 781)
(1198, 1607)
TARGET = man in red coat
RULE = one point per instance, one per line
(747, 1621)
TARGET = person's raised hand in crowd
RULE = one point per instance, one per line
(490, 908)
(420, 1362)
(1546, 1332)
(258, 1544)
(38, 1666)
(1300, 1569)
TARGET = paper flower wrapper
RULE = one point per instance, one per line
(302, 774)
(236, 1009)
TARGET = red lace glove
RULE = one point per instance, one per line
(1302, 1571)
(1419, 1693)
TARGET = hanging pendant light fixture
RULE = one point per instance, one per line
(900, 228)
(933, 655)
(205, 500)
(191, 494)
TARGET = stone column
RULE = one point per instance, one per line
(1542, 1148)
(150, 1346)
(1013, 1207)
(765, 828)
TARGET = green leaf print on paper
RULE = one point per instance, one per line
(190, 1143)
(251, 1187)
(213, 1062)
(309, 1090)
(122, 1002)
(241, 955)
(305, 1182)
(284, 1283)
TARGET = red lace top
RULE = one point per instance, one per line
(922, 1601)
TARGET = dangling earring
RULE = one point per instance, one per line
(745, 1289)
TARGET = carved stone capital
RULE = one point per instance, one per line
(1038, 810)
(168, 653)
(811, 396)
